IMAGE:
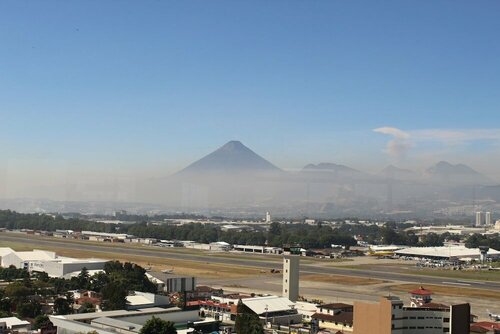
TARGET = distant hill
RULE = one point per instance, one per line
(336, 171)
(233, 157)
(329, 167)
(395, 173)
(459, 174)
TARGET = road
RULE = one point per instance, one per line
(309, 268)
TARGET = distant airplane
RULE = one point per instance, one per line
(168, 271)
(493, 316)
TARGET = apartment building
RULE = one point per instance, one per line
(390, 316)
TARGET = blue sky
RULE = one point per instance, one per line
(149, 86)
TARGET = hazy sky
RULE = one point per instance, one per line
(99, 88)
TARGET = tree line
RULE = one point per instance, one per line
(320, 235)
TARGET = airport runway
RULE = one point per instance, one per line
(257, 263)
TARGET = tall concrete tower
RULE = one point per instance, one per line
(487, 218)
(268, 217)
(291, 277)
(479, 218)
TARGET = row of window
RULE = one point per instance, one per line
(445, 329)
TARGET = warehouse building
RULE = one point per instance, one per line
(46, 261)
(451, 253)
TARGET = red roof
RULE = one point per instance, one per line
(336, 306)
(215, 304)
(487, 325)
(342, 317)
(421, 291)
(478, 329)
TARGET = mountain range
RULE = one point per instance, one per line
(236, 158)
(235, 176)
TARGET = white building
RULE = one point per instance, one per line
(46, 261)
(258, 249)
(306, 310)
(487, 219)
(291, 277)
(98, 236)
(142, 300)
(172, 283)
(452, 253)
(479, 220)
(15, 324)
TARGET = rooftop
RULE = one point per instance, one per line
(335, 306)
(13, 321)
(116, 323)
(445, 252)
(117, 313)
(261, 305)
(342, 317)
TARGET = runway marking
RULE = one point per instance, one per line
(475, 282)
(456, 283)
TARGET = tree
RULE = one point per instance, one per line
(83, 279)
(247, 322)
(432, 240)
(98, 281)
(17, 291)
(114, 296)
(158, 326)
(62, 306)
(29, 309)
(41, 320)
(275, 229)
(86, 307)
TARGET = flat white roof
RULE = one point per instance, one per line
(13, 321)
(36, 255)
(103, 234)
(118, 313)
(445, 251)
(47, 256)
(139, 300)
(262, 305)
(64, 259)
